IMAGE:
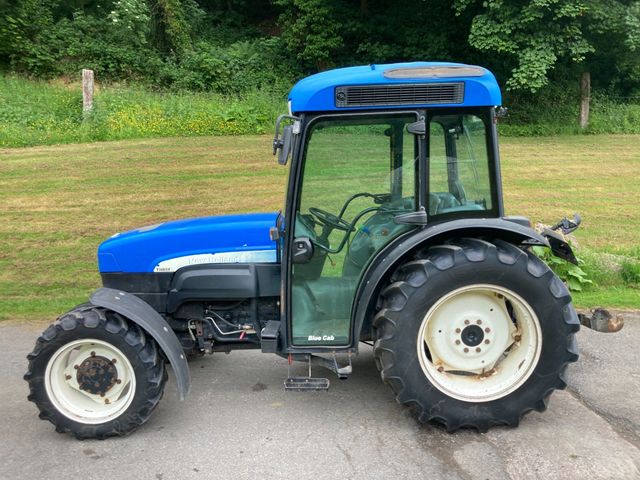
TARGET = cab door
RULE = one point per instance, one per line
(357, 172)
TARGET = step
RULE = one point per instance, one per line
(306, 384)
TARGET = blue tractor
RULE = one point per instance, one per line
(393, 233)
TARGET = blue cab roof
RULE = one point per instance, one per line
(438, 84)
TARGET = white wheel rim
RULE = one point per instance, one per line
(472, 348)
(67, 379)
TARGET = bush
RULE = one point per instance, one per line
(609, 116)
(630, 273)
(240, 67)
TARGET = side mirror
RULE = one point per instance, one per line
(283, 144)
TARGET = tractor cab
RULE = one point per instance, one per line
(378, 152)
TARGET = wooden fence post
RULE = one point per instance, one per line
(87, 92)
(585, 97)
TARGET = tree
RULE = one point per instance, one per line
(169, 26)
(311, 30)
(538, 35)
(535, 34)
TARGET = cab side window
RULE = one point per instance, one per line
(459, 169)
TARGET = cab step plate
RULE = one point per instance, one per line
(306, 384)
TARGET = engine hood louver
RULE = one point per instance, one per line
(405, 94)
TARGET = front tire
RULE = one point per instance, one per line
(475, 334)
(95, 375)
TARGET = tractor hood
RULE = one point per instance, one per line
(168, 246)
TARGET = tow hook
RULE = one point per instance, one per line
(602, 320)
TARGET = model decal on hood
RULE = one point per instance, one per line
(252, 256)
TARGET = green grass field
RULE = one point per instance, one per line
(57, 203)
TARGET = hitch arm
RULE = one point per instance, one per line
(559, 246)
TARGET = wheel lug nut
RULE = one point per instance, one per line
(106, 401)
(457, 342)
(487, 329)
(478, 349)
(466, 350)
(113, 360)
(441, 369)
(479, 322)
(458, 330)
(467, 322)
(76, 366)
(118, 381)
(93, 354)
(487, 341)
(67, 377)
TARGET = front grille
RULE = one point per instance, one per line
(406, 94)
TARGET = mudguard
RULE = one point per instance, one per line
(385, 261)
(141, 313)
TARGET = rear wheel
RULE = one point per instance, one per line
(475, 334)
(94, 374)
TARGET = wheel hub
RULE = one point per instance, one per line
(479, 342)
(96, 375)
(472, 335)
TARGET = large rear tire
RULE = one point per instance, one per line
(94, 374)
(475, 334)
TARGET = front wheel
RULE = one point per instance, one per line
(475, 334)
(94, 374)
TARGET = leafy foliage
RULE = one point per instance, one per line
(311, 29)
(573, 275)
(131, 18)
(170, 27)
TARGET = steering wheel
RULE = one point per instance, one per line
(330, 219)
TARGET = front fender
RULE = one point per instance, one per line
(385, 262)
(141, 313)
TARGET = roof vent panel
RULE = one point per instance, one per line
(403, 94)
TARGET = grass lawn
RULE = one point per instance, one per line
(57, 203)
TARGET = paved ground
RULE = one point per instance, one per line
(239, 423)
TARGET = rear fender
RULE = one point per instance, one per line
(403, 248)
(142, 314)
